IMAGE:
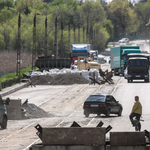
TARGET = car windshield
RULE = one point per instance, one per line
(100, 98)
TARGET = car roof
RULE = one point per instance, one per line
(132, 58)
(100, 94)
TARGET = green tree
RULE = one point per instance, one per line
(122, 16)
(143, 15)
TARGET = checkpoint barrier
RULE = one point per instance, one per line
(76, 137)
(14, 109)
(127, 141)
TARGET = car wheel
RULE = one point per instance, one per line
(128, 80)
(120, 112)
(86, 114)
(98, 114)
(4, 123)
(108, 113)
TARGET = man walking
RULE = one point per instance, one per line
(136, 110)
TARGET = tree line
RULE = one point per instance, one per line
(93, 22)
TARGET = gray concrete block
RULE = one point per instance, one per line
(127, 139)
(127, 147)
(73, 136)
(80, 147)
(14, 109)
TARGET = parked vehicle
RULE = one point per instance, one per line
(102, 104)
(80, 50)
(3, 112)
(119, 57)
(124, 40)
(137, 69)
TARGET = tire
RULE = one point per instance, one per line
(86, 114)
(120, 112)
(108, 113)
(128, 80)
(4, 123)
(137, 126)
(146, 80)
(98, 114)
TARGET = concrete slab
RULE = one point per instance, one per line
(14, 109)
(80, 147)
(127, 147)
(73, 136)
(127, 138)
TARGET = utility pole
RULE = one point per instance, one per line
(45, 54)
(56, 33)
(34, 42)
(19, 46)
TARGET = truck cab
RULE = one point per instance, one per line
(137, 69)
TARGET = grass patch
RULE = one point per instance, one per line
(13, 75)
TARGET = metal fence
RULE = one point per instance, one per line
(9, 83)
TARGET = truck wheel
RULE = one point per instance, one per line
(4, 123)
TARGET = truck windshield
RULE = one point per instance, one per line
(137, 62)
(77, 54)
(100, 98)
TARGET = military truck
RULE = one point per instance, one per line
(118, 57)
(3, 112)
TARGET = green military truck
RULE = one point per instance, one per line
(46, 63)
(118, 56)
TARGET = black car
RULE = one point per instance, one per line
(102, 104)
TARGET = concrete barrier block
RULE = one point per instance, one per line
(80, 147)
(127, 138)
(127, 147)
(14, 109)
(73, 136)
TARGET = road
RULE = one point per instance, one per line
(65, 105)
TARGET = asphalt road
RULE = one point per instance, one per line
(65, 104)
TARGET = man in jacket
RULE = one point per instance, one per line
(136, 110)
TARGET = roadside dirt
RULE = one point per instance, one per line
(33, 111)
(60, 79)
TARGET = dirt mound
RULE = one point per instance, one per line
(68, 79)
(42, 80)
(32, 111)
